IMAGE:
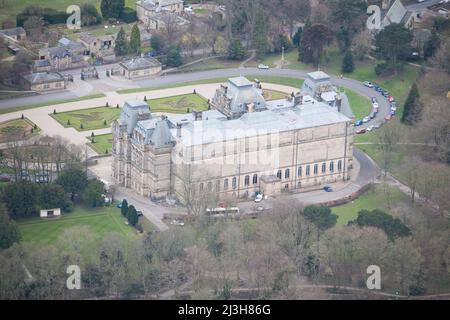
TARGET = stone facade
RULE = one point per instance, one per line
(43, 81)
(287, 146)
(140, 67)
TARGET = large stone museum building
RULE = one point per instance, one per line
(241, 146)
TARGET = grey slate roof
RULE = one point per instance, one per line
(13, 31)
(43, 77)
(241, 92)
(41, 63)
(132, 111)
(318, 75)
(152, 6)
(55, 52)
(140, 63)
(281, 116)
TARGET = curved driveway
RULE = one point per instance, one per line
(105, 83)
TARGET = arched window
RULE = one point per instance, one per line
(287, 173)
(234, 183)
(255, 179)
(340, 165)
(332, 166)
(225, 184)
(299, 171)
(308, 169)
(201, 186)
(279, 174)
(247, 180)
(316, 168)
(324, 167)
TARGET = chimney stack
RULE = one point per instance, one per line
(197, 115)
(338, 102)
(298, 99)
(178, 130)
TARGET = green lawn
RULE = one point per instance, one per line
(361, 106)
(201, 11)
(49, 103)
(102, 143)
(100, 220)
(91, 119)
(19, 129)
(372, 199)
(270, 95)
(179, 104)
(98, 31)
(216, 63)
(12, 7)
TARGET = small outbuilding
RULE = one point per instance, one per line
(44, 81)
(50, 213)
(270, 185)
(140, 67)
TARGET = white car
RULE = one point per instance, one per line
(375, 105)
(177, 223)
(368, 84)
(366, 119)
(263, 67)
(188, 9)
(370, 128)
(258, 198)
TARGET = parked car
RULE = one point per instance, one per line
(391, 99)
(366, 119)
(176, 222)
(370, 128)
(258, 198)
(392, 112)
(388, 117)
(393, 108)
(385, 93)
(368, 84)
(393, 104)
(374, 100)
(373, 115)
(119, 205)
(358, 123)
(263, 67)
(378, 126)
(377, 88)
(4, 177)
(375, 110)
(375, 105)
(328, 189)
(139, 213)
(360, 131)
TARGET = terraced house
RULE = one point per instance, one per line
(242, 145)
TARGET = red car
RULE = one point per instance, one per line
(391, 99)
(360, 131)
(388, 117)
